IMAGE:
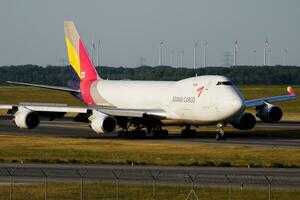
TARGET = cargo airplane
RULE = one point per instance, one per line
(137, 108)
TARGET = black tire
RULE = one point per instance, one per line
(218, 136)
(194, 133)
(141, 134)
(160, 133)
(137, 134)
(122, 134)
(187, 133)
(184, 133)
(165, 133)
(223, 137)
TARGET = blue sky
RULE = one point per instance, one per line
(32, 31)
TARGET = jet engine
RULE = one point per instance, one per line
(102, 123)
(269, 113)
(25, 118)
(245, 122)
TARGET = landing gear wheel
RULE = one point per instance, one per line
(220, 137)
(123, 134)
(188, 132)
(165, 133)
(224, 137)
(160, 133)
(137, 134)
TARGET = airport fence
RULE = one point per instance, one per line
(131, 183)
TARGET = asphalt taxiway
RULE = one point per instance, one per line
(65, 128)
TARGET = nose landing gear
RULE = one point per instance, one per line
(220, 134)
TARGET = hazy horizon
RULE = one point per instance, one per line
(32, 31)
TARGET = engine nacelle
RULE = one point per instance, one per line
(102, 123)
(269, 113)
(25, 118)
(245, 122)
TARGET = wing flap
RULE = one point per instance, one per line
(65, 109)
(124, 112)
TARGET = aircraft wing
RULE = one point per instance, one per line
(63, 108)
(45, 86)
(262, 101)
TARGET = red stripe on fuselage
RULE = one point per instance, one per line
(88, 75)
(85, 89)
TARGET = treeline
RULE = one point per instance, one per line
(62, 76)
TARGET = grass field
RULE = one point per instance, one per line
(145, 152)
(107, 191)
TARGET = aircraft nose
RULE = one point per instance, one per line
(231, 104)
(237, 104)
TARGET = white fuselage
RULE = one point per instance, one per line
(197, 99)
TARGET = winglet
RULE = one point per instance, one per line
(291, 90)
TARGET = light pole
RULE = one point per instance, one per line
(265, 51)
(182, 54)
(285, 57)
(160, 52)
(92, 51)
(254, 57)
(204, 54)
(98, 53)
(195, 55)
(235, 52)
(269, 56)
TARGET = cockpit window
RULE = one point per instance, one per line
(224, 83)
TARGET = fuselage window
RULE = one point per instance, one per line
(224, 83)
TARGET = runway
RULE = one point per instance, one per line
(285, 134)
(213, 176)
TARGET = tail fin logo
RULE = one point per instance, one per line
(82, 75)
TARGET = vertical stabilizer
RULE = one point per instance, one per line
(78, 56)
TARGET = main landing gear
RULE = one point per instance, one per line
(220, 134)
(133, 134)
(160, 133)
(188, 132)
(138, 129)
